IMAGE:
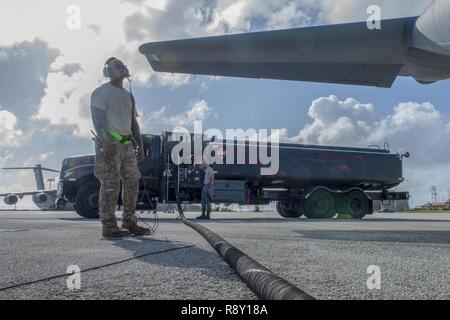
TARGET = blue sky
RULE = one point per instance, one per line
(261, 101)
(47, 72)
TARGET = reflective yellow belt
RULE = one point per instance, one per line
(118, 137)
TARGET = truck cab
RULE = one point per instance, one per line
(78, 185)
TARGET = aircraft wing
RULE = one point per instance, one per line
(30, 193)
(346, 54)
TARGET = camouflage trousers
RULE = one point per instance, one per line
(206, 199)
(122, 167)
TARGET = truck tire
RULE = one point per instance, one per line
(280, 210)
(320, 205)
(358, 204)
(86, 201)
(60, 204)
(288, 213)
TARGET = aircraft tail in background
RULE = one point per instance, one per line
(44, 199)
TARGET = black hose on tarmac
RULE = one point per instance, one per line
(266, 284)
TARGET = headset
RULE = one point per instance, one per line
(107, 66)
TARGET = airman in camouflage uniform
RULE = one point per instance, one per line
(114, 118)
(207, 191)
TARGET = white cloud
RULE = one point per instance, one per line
(69, 69)
(232, 14)
(65, 101)
(415, 127)
(345, 122)
(173, 80)
(198, 111)
(166, 120)
(10, 136)
(288, 16)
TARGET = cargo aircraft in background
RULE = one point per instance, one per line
(45, 200)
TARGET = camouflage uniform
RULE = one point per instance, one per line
(206, 200)
(123, 166)
(208, 183)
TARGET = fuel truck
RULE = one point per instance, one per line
(317, 182)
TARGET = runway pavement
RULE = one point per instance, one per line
(326, 258)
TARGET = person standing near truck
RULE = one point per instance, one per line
(207, 191)
(114, 118)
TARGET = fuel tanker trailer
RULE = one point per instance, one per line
(304, 180)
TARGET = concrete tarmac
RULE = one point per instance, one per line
(329, 259)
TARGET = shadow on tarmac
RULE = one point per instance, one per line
(167, 253)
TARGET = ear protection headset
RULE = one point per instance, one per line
(107, 67)
(107, 74)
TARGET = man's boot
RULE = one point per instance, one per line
(208, 215)
(134, 229)
(125, 232)
(203, 216)
(113, 232)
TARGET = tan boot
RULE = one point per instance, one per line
(125, 232)
(112, 232)
(134, 229)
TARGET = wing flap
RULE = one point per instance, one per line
(355, 74)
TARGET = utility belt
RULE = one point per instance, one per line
(126, 140)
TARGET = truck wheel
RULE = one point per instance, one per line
(358, 204)
(86, 201)
(60, 204)
(280, 210)
(320, 205)
(285, 210)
